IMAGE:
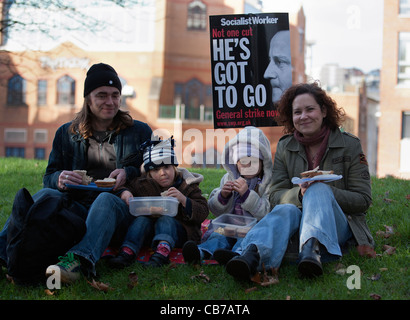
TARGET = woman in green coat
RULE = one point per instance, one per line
(326, 213)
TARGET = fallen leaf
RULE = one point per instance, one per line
(100, 286)
(341, 272)
(49, 292)
(256, 277)
(264, 279)
(387, 200)
(132, 280)
(202, 277)
(408, 197)
(375, 277)
(287, 297)
(375, 296)
(251, 289)
(269, 280)
(340, 269)
(389, 231)
(389, 250)
(383, 269)
(366, 251)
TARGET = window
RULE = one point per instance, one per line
(16, 91)
(405, 128)
(197, 99)
(40, 135)
(404, 7)
(15, 135)
(405, 142)
(65, 90)
(192, 101)
(403, 77)
(40, 153)
(42, 92)
(196, 16)
(14, 152)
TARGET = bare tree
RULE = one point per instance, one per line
(49, 20)
(46, 16)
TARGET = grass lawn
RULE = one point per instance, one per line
(385, 277)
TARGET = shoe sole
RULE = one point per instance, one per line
(238, 269)
(310, 268)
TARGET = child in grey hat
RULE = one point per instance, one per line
(243, 190)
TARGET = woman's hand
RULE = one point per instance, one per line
(174, 192)
(125, 196)
(305, 185)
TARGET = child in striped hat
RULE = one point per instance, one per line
(163, 233)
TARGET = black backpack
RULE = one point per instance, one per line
(39, 232)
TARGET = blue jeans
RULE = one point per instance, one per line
(321, 218)
(145, 230)
(219, 241)
(107, 222)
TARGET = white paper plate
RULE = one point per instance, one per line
(323, 177)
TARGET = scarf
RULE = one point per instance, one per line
(322, 137)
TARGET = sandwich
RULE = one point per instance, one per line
(105, 183)
(315, 172)
(86, 179)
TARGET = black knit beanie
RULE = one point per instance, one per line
(100, 75)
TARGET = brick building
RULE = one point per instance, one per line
(163, 62)
(394, 122)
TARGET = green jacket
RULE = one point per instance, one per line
(345, 157)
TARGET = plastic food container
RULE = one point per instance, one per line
(154, 206)
(233, 225)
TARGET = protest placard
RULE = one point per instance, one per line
(251, 67)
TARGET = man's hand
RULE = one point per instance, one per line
(68, 177)
(120, 176)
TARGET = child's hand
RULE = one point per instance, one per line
(125, 196)
(227, 189)
(174, 192)
(240, 186)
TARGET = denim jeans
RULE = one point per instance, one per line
(321, 218)
(145, 230)
(219, 241)
(107, 222)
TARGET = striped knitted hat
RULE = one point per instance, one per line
(158, 153)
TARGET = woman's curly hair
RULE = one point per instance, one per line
(334, 115)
